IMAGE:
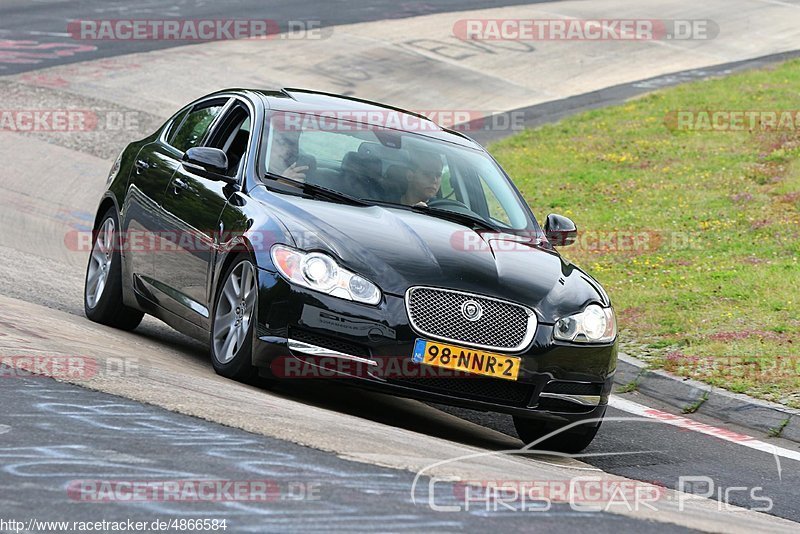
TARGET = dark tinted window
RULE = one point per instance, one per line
(194, 128)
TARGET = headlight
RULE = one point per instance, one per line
(595, 324)
(320, 272)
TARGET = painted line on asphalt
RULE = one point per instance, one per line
(31, 32)
(688, 424)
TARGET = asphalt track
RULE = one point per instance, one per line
(316, 432)
(313, 491)
(40, 27)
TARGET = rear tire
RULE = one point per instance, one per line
(570, 441)
(231, 339)
(102, 294)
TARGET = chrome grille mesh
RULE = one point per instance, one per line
(437, 313)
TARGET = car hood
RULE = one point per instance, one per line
(398, 249)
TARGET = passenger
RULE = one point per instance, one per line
(424, 179)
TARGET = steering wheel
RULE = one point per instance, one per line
(437, 202)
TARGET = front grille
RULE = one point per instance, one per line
(328, 342)
(437, 313)
(478, 388)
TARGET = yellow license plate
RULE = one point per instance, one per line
(464, 359)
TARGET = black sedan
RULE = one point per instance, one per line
(310, 235)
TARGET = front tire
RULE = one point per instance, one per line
(232, 327)
(570, 441)
(102, 294)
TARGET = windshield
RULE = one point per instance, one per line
(391, 167)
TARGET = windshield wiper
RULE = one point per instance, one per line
(319, 191)
(458, 217)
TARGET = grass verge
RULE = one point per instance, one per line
(694, 232)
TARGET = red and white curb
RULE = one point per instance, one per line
(681, 392)
(680, 421)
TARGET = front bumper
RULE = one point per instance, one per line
(305, 334)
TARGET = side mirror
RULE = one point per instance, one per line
(212, 160)
(560, 230)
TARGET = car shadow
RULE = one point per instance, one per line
(485, 430)
(399, 412)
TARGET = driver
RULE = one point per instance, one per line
(284, 155)
(424, 178)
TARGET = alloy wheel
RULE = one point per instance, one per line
(234, 312)
(100, 263)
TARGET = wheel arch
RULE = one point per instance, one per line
(108, 201)
(241, 247)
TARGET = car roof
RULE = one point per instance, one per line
(318, 102)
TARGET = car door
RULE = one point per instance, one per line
(191, 210)
(152, 171)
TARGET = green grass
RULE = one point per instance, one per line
(708, 284)
(630, 387)
(693, 407)
(775, 432)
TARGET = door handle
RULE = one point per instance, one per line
(141, 165)
(178, 185)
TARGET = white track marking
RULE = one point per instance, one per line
(32, 32)
(696, 426)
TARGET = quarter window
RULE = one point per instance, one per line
(175, 124)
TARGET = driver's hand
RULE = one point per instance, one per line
(296, 172)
